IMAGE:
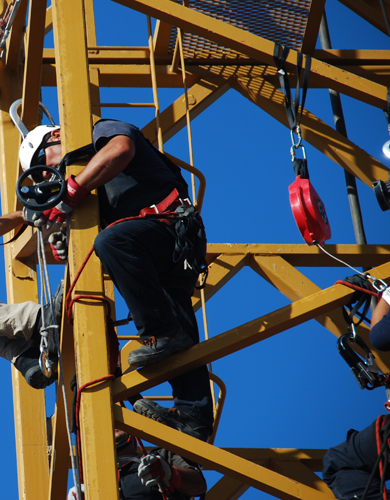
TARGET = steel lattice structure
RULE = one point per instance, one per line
(227, 44)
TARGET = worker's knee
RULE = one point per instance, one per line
(104, 242)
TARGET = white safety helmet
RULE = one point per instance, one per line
(31, 149)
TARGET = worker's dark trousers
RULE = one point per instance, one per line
(348, 466)
(137, 255)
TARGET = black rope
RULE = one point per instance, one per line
(360, 297)
(21, 230)
(292, 111)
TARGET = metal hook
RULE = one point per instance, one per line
(379, 288)
(13, 111)
(44, 362)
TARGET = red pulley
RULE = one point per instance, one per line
(309, 212)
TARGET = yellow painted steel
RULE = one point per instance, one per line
(29, 405)
(215, 458)
(96, 422)
(258, 48)
(79, 68)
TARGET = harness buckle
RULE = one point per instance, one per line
(155, 208)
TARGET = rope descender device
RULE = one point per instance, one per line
(43, 195)
(365, 370)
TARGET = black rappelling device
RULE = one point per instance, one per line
(47, 194)
(44, 195)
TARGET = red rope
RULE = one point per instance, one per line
(380, 423)
(355, 287)
(78, 398)
(68, 302)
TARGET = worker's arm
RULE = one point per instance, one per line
(381, 309)
(107, 163)
(380, 324)
(192, 482)
(10, 221)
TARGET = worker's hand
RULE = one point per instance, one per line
(72, 494)
(154, 470)
(59, 245)
(33, 218)
(60, 212)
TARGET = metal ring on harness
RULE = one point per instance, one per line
(42, 196)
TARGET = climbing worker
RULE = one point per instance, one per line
(20, 327)
(154, 270)
(352, 469)
(145, 476)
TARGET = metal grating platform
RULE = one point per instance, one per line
(282, 21)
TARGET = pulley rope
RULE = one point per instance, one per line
(43, 266)
(382, 284)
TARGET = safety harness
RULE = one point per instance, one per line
(382, 444)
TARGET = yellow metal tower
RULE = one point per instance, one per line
(205, 48)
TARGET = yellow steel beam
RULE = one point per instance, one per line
(295, 285)
(299, 472)
(29, 404)
(313, 26)
(320, 135)
(238, 338)
(210, 456)
(307, 256)
(227, 488)
(221, 270)
(257, 47)
(162, 35)
(14, 44)
(60, 458)
(126, 76)
(33, 63)
(49, 20)
(370, 11)
(96, 422)
(311, 458)
(227, 259)
(173, 118)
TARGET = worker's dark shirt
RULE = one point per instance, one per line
(380, 334)
(130, 484)
(145, 181)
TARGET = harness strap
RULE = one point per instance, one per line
(18, 233)
(169, 204)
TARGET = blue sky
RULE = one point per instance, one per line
(292, 390)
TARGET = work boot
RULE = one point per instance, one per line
(174, 418)
(28, 365)
(154, 349)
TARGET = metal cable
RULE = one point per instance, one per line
(44, 277)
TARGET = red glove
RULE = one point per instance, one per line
(75, 193)
(58, 245)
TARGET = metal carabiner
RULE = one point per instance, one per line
(379, 288)
(353, 332)
(296, 145)
(44, 362)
